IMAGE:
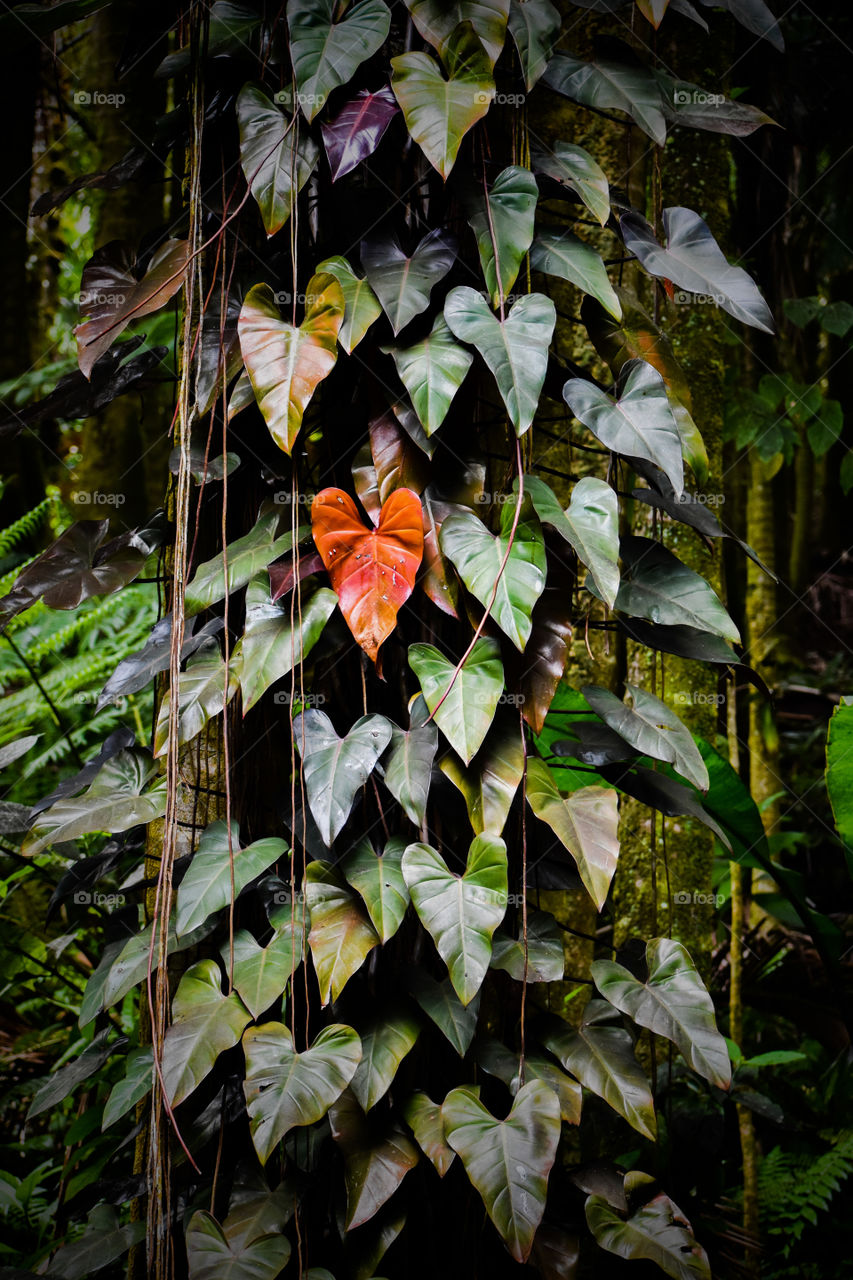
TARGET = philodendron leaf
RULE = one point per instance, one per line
(378, 879)
(218, 869)
(601, 1055)
(489, 784)
(204, 1024)
(377, 1158)
(408, 769)
(839, 770)
(204, 690)
(460, 912)
(384, 1046)
(403, 284)
(464, 709)
(357, 129)
(59, 1084)
(497, 1060)
(284, 1088)
(544, 951)
(127, 968)
(423, 1116)
(286, 362)
(335, 769)
(576, 169)
(672, 1002)
(138, 1079)
(432, 371)
(503, 218)
(652, 727)
(438, 111)
(508, 1161)
(254, 1210)
(560, 253)
(437, 22)
(586, 822)
(534, 26)
(247, 556)
(657, 1231)
(212, 1256)
(657, 586)
(607, 85)
(261, 974)
(327, 52)
(341, 935)
(693, 260)
(515, 349)
(638, 422)
(277, 158)
(138, 669)
(361, 305)
(102, 1242)
(506, 573)
(590, 525)
(276, 637)
(439, 1001)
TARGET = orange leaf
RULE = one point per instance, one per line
(372, 570)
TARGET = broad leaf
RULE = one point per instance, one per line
(601, 1055)
(465, 708)
(204, 690)
(695, 108)
(657, 1231)
(755, 16)
(59, 1084)
(377, 1158)
(503, 219)
(341, 935)
(384, 1046)
(373, 571)
(672, 1002)
(585, 822)
(361, 306)
(547, 650)
(284, 1088)
(544, 950)
(839, 770)
(456, 1021)
(489, 784)
(130, 966)
(652, 727)
(276, 157)
(403, 284)
(657, 586)
(437, 577)
(246, 557)
(261, 974)
(460, 912)
(399, 462)
(508, 1161)
(212, 1256)
(497, 1060)
(432, 371)
(326, 53)
(137, 1081)
(378, 879)
(254, 1210)
(204, 1024)
(693, 260)
(534, 26)
(139, 669)
(356, 131)
(560, 253)
(608, 85)
(515, 349)
(438, 111)
(408, 769)
(277, 638)
(103, 1242)
(285, 362)
(437, 22)
(335, 769)
(576, 169)
(590, 525)
(423, 1116)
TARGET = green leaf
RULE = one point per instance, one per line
(437, 22)
(341, 935)
(657, 1231)
(590, 526)
(204, 690)
(438, 111)
(361, 305)
(673, 1002)
(468, 705)
(456, 1021)
(215, 874)
(656, 585)
(534, 26)
(277, 159)
(246, 557)
(204, 1024)
(460, 912)
(130, 966)
(378, 879)
(432, 371)
(608, 85)
(138, 1080)
(652, 727)
(212, 1256)
(565, 255)
(499, 1061)
(517, 568)
(102, 1243)
(508, 1161)
(284, 1088)
(586, 822)
(515, 349)
(60, 1083)
(576, 169)
(506, 214)
(403, 285)
(377, 1158)
(261, 974)
(327, 53)
(423, 1116)
(408, 769)
(490, 783)
(839, 770)
(255, 1211)
(837, 318)
(271, 646)
(544, 950)
(335, 769)
(601, 1056)
(384, 1046)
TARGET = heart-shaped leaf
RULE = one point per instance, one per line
(361, 305)
(544, 950)
(408, 769)
(341, 935)
(277, 159)
(384, 1046)
(437, 22)
(432, 371)
(658, 1230)
(585, 822)
(438, 111)
(132, 1088)
(652, 727)
(403, 285)
(423, 1116)
(590, 526)
(357, 130)
(508, 1161)
(261, 974)
(377, 1158)
(204, 690)
(399, 462)
(601, 1055)
(693, 260)
(130, 966)
(326, 53)
(560, 253)
(672, 1002)
(460, 912)
(271, 645)
(516, 349)
(102, 1242)
(534, 26)
(576, 169)
(335, 769)
(490, 783)
(286, 362)
(516, 567)
(547, 650)
(609, 85)
(503, 218)
(456, 1021)
(215, 873)
(657, 586)
(692, 107)
(246, 557)
(254, 1210)
(284, 1088)
(139, 669)
(464, 709)
(204, 1024)
(212, 1256)
(378, 879)
(499, 1061)
(372, 570)
(437, 578)
(60, 1084)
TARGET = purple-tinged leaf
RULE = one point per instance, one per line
(356, 130)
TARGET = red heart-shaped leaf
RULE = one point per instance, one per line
(372, 570)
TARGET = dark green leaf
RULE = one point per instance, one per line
(335, 769)
(379, 881)
(341, 935)
(204, 1024)
(503, 218)
(657, 1231)
(403, 284)
(327, 52)
(277, 158)
(586, 822)
(467, 707)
